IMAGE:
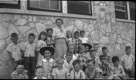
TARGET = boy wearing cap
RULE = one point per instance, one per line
(47, 62)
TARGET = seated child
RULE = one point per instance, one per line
(117, 70)
(20, 72)
(39, 73)
(128, 62)
(77, 73)
(68, 61)
(48, 63)
(60, 72)
(87, 49)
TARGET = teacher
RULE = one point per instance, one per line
(59, 35)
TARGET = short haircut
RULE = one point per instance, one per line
(115, 58)
(103, 48)
(128, 47)
(90, 60)
(77, 61)
(49, 29)
(31, 34)
(43, 32)
(14, 35)
(76, 32)
(82, 31)
(60, 20)
(69, 53)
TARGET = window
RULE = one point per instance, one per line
(121, 9)
(80, 7)
(45, 5)
(132, 8)
(13, 4)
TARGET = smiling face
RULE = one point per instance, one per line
(31, 39)
(14, 40)
(43, 36)
(77, 67)
(49, 33)
(20, 69)
(47, 54)
(59, 23)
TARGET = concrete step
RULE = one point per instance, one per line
(5, 72)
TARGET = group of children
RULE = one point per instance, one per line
(34, 60)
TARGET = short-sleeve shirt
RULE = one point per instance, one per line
(84, 39)
(60, 74)
(77, 75)
(59, 32)
(15, 51)
(128, 60)
(118, 70)
(68, 65)
(29, 49)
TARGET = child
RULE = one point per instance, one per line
(68, 61)
(14, 50)
(41, 43)
(30, 55)
(19, 73)
(50, 41)
(117, 70)
(128, 62)
(47, 62)
(87, 49)
(105, 53)
(77, 73)
(39, 73)
(91, 72)
(69, 38)
(82, 37)
(60, 72)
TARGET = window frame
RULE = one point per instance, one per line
(87, 14)
(48, 10)
(11, 6)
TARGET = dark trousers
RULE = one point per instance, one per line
(130, 73)
(30, 64)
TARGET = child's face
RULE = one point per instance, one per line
(128, 51)
(82, 34)
(39, 72)
(93, 54)
(105, 51)
(14, 40)
(43, 36)
(91, 65)
(77, 67)
(69, 34)
(60, 64)
(20, 69)
(116, 63)
(50, 33)
(69, 58)
(47, 54)
(104, 61)
(71, 48)
(31, 39)
(82, 48)
(87, 48)
(77, 36)
(59, 23)
(96, 46)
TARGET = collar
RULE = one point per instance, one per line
(45, 60)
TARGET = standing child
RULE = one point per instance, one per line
(30, 55)
(82, 37)
(41, 43)
(105, 53)
(128, 62)
(77, 73)
(60, 72)
(47, 62)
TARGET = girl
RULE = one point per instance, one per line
(41, 43)
(60, 72)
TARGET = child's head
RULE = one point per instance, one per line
(76, 34)
(14, 38)
(128, 50)
(39, 71)
(47, 52)
(42, 36)
(87, 47)
(90, 64)
(49, 31)
(76, 65)
(31, 37)
(20, 68)
(82, 49)
(115, 60)
(69, 56)
(95, 46)
(69, 34)
(71, 48)
(103, 59)
(105, 50)
(82, 33)
(60, 62)
(93, 53)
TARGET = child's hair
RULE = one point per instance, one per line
(60, 20)
(69, 53)
(77, 61)
(103, 48)
(115, 58)
(39, 38)
(49, 29)
(31, 34)
(76, 32)
(39, 67)
(128, 47)
(82, 31)
(90, 60)
(59, 59)
(14, 35)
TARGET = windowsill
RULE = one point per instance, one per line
(123, 20)
(56, 14)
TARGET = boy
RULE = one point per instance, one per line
(14, 50)
(128, 62)
(30, 55)
(82, 37)
(77, 73)
(87, 49)
(19, 73)
(105, 53)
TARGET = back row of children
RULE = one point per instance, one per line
(82, 60)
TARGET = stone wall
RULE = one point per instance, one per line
(104, 30)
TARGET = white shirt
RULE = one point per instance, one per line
(59, 32)
(128, 60)
(42, 78)
(15, 50)
(67, 65)
(29, 49)
(41, 44)
(84, 39)
(79, 75)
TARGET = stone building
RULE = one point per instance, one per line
(109, 23)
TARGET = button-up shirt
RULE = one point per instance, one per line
(59, 32)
